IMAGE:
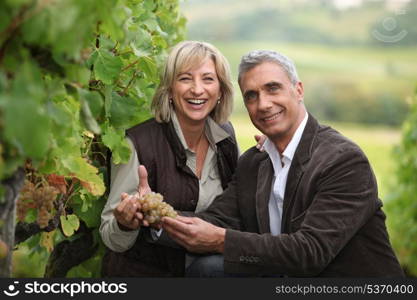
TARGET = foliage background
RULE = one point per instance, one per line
(74, 75)
(402, 205)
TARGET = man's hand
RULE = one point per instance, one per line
(194, 234)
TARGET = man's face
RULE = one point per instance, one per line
(273, 102)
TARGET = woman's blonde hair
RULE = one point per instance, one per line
(182, 57)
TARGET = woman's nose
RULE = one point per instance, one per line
(197, 88)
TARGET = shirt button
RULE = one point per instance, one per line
(193, 202)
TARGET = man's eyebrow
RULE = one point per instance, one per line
(246, 93)
(273, 84)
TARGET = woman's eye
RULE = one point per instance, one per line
(209, 79)
(184, 78)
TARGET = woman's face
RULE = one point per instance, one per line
(195, 92)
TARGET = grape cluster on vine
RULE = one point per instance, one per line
(42, 198)
(25, 200)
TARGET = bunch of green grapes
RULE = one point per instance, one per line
(44, 198)
(41, 198)
(25, 200)
(154, 208)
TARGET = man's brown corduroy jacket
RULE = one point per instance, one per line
(332, 224)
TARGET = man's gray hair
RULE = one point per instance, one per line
(256, 57)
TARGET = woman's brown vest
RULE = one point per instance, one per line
(161, 151)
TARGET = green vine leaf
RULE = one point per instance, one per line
(30, 135)
(69, 224)
(106, 65)
(116, 142)
(126, 111)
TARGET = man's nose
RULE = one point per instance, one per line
(264, 102)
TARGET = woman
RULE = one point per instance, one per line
(190, 153)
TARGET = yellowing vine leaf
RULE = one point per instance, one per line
(78, 167)
(69, 224)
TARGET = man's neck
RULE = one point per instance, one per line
(281, 142)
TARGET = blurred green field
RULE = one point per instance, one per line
(376, 141)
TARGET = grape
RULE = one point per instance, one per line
(44, 198)
(154, 208)
(41, 198)
(25, 198)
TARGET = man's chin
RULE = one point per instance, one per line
(272, 132)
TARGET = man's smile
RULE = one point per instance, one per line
(272, 117)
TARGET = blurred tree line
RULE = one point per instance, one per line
(319, 22)
(345, 102)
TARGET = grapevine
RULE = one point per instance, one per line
(74, 75)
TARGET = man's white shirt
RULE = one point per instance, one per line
(281, 167)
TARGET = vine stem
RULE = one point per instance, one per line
(130, 65)
(130, 82)
(88, 147)
(126, 52)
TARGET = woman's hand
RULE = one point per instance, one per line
(143, 187)
(127, 213)
(260, 139)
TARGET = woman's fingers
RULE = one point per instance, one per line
(143, 187)
(260, 139)
(125, 212)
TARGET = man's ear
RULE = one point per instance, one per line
(299, 89)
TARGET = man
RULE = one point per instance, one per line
(308, 206)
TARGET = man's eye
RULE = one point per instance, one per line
(251, 96)
(273, 88)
